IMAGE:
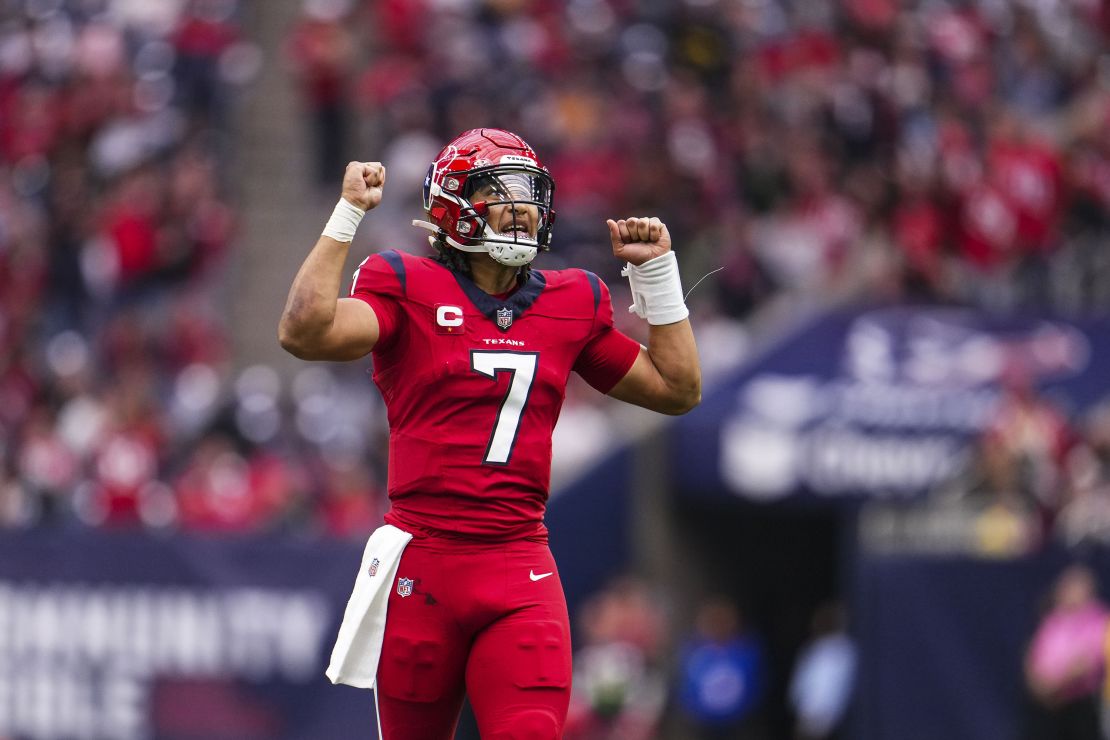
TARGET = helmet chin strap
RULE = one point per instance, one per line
(476, 248)
(510, 254)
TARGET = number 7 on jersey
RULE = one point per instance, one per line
(522, 366)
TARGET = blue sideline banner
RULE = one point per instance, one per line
(879, 403)
(127, 636)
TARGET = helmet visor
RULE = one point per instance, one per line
(504, 184)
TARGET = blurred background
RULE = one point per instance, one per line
(888, 520)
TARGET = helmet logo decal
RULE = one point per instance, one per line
(448, 154)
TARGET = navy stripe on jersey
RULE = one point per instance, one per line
(595, 286)
(518, 302)
(393, 258)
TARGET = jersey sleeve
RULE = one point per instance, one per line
(608, 354)
(380, 282)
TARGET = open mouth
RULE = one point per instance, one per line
(517, 234)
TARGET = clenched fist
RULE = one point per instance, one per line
(637, 240)
(363, 183)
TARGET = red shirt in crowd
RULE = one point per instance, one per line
(1027, 174)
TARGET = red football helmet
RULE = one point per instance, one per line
(506, 170)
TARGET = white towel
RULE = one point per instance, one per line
(358, 648)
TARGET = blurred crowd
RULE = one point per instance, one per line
(717, 682)
(930, 151)
(1034, 458)
(939, 151)
(1034, 476)
(118, 402)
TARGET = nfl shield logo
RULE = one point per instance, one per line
(404, 586)
(504, 318)
(373, 570)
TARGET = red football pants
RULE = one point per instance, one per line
(486, 620)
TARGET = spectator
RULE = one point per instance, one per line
(618, 688)
(824, 677)
(1024, 445)
(47, 466)
(322, 51)
(1067, 660)
(203, 35)
(353, 504)
(722, 675)
(1084, 514)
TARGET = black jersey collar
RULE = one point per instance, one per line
(518, 302)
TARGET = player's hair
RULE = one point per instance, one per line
(453, 259)
(456, 261)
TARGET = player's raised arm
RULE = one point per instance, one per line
(317, 324)
(666, 377)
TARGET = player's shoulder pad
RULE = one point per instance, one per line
(597, 288)
(383, 273)
(588, 290)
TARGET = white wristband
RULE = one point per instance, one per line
(344, 221)
(657, 290)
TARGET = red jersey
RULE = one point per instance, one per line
(473, 385)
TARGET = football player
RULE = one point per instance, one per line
(471, 350)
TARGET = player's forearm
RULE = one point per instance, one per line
(308, 324)
(310, 308)
(674, 354)
(672, 384)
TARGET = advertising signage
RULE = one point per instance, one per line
(882, 403)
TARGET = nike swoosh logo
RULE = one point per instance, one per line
(534, 577)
